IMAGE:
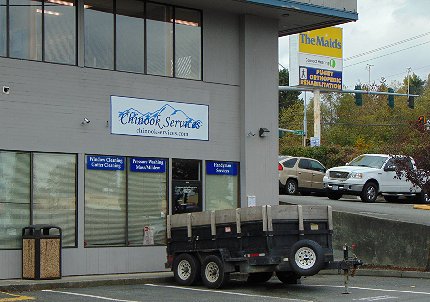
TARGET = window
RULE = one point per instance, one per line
(290, 163)
(147, 201)
(188, 43)
(53, 21)
(99, 37)
(159, 39)
(42, 194)
(130, 36)
(3, 28)
(60, 31)
(125, 206)
(222, 185)
(105, 201)
(54, 193)
(304, 164)
(25, 21)
(316, 166)
(14, 197)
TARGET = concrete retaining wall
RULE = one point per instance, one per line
(382, 242)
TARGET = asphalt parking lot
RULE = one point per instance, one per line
(317, 288)
(401, 211)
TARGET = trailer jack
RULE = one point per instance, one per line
(348, 265)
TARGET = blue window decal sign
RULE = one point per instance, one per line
(221, 168)
(148, 165)
(101, 162)
(330, 79)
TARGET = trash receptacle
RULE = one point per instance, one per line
(41, 252)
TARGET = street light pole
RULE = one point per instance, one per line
(409, 70)
(368, 67)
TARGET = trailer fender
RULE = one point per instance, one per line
(306, 257)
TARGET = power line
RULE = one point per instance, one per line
(388, 54)
(400, 73)
(386, 46)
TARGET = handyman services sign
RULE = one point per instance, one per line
(316, 59)
(142, 117)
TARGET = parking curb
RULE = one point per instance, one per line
(383, 273)
(19, 285)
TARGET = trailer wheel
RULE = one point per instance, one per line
(212, 273)
(288, 277)
(186, 269)
(259, 277)
(306, 257)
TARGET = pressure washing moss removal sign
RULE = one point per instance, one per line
(316, 59)
(142, 117)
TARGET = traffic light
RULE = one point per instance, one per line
(358, 96)
(281, 133)
(308, 142)
(390, 98)
(411, 102)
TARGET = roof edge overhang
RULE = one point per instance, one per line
(334, 16)
(309, 8)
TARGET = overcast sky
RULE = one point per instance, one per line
(381, 23)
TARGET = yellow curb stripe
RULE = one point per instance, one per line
(15, 298)
(422, 207)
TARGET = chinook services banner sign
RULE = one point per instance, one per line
(316, 59)
(142, 117)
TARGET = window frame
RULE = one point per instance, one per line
(127, 168)
(31, 201)
(76, 5)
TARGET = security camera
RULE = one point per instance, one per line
(6, 89)
(85, 121)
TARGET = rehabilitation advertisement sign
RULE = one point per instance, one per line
(316, 59)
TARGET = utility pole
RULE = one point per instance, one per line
(368, 67)
(409, 71)
(305, 123)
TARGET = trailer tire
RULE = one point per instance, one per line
(186, 269)
(288, 277)
(255, 278)
(306, 257)
(212, 272)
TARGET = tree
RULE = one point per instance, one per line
(286, 98)
(416, 84)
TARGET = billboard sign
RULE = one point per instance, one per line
(316, 59)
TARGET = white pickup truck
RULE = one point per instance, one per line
(368, 176)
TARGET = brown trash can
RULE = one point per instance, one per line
(41, 252)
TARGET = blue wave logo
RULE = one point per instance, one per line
(165, 117)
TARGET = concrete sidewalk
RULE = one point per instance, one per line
(18, 285)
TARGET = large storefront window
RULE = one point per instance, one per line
(160, 39)
(31, 21)
(14, 197)
(125, 206)
(54, 193)
(130, 35)
(99, 34)
(25, 21)
(105, 200)
(222, 185)
(60, 31)
(147, 201)
(3, 28)
(36, 188)
(188, 41)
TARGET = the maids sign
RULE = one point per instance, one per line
(132, 116)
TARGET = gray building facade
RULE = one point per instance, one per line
(62, 159)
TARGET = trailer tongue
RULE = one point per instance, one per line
(290, 241)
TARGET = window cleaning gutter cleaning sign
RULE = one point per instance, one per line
(142, 117)
(316, 59)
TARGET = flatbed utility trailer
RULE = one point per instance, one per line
(288, 240)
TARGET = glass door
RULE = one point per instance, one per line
(186, 186)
